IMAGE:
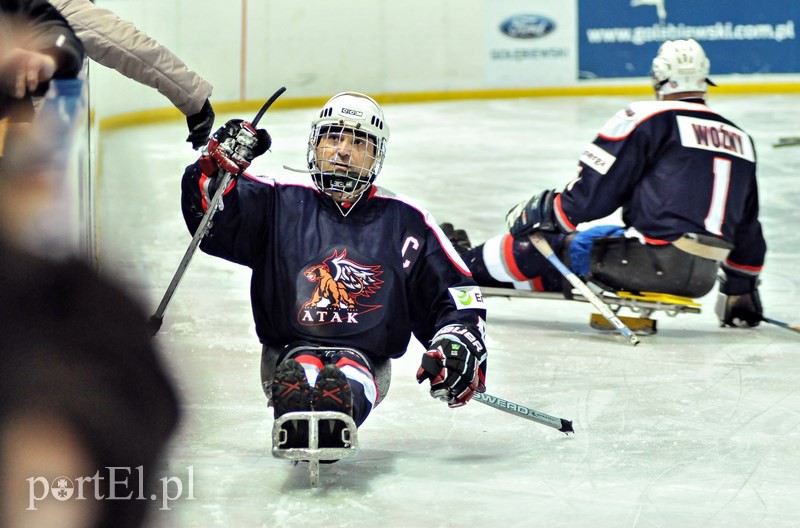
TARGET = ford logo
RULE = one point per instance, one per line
(527, 26)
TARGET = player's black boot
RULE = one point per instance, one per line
(290, 393)
(457, 237)
(332, 393)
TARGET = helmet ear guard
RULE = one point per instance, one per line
(355, 118)
(680, 66)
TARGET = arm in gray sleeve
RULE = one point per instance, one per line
(118, 44)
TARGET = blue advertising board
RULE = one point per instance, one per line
(619, 38)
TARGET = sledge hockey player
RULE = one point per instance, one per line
(685, 178)
(343, 271)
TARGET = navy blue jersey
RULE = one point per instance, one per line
(366, 280)
(674, 167)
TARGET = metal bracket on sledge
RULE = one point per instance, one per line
(642, 304)
(313, 453)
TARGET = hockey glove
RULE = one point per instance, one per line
(738, 302)
(453, 365)
(234, 146)
(536, 214)
(457, 237)
(200, 125)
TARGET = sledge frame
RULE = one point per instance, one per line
(313, 453)
(643, 305)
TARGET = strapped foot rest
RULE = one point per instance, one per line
(313, 453)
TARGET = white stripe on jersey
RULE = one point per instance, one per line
(355, 374)
(455, 258)
(495, 261)
(624, 121)
(311, 372)
(493, 258)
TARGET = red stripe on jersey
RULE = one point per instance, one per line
(202, 183)
(752, 270)
(347, 361)
(537, 284)
(205, 182)
(308, 359)
(343, 362)
(461, 267)
(508, 258)
(655, 241)
(561, 216)
(668, 106)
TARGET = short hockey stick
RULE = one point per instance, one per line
(565, 426)
(793, 328)
(544, 248)
(787, 142)
(202, 229)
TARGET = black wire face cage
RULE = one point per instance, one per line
(343, 159)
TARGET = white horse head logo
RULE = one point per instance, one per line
(661, 9)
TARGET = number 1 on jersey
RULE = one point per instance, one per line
(719, 196)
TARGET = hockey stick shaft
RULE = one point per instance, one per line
(793, 328)
(205, 223)
(544, 248)
(157, 318)
(565, 426)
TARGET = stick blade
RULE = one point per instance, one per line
(638, 325)
(155, 325)
(787, 142)
(566, 427)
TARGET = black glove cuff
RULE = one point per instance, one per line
(732, 283)
(201, 116)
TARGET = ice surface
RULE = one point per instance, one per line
(697, 426)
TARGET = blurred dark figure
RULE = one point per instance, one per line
(36, 45)
(86, 406)
(83, 391)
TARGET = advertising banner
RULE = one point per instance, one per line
(619, 38)
(530, 43)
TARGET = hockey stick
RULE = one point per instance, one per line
(793, 328)
(544, 248)
(565, 426)
(787, 142)
(202, 229)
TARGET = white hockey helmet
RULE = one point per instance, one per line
(680, 66)
(354, 113)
